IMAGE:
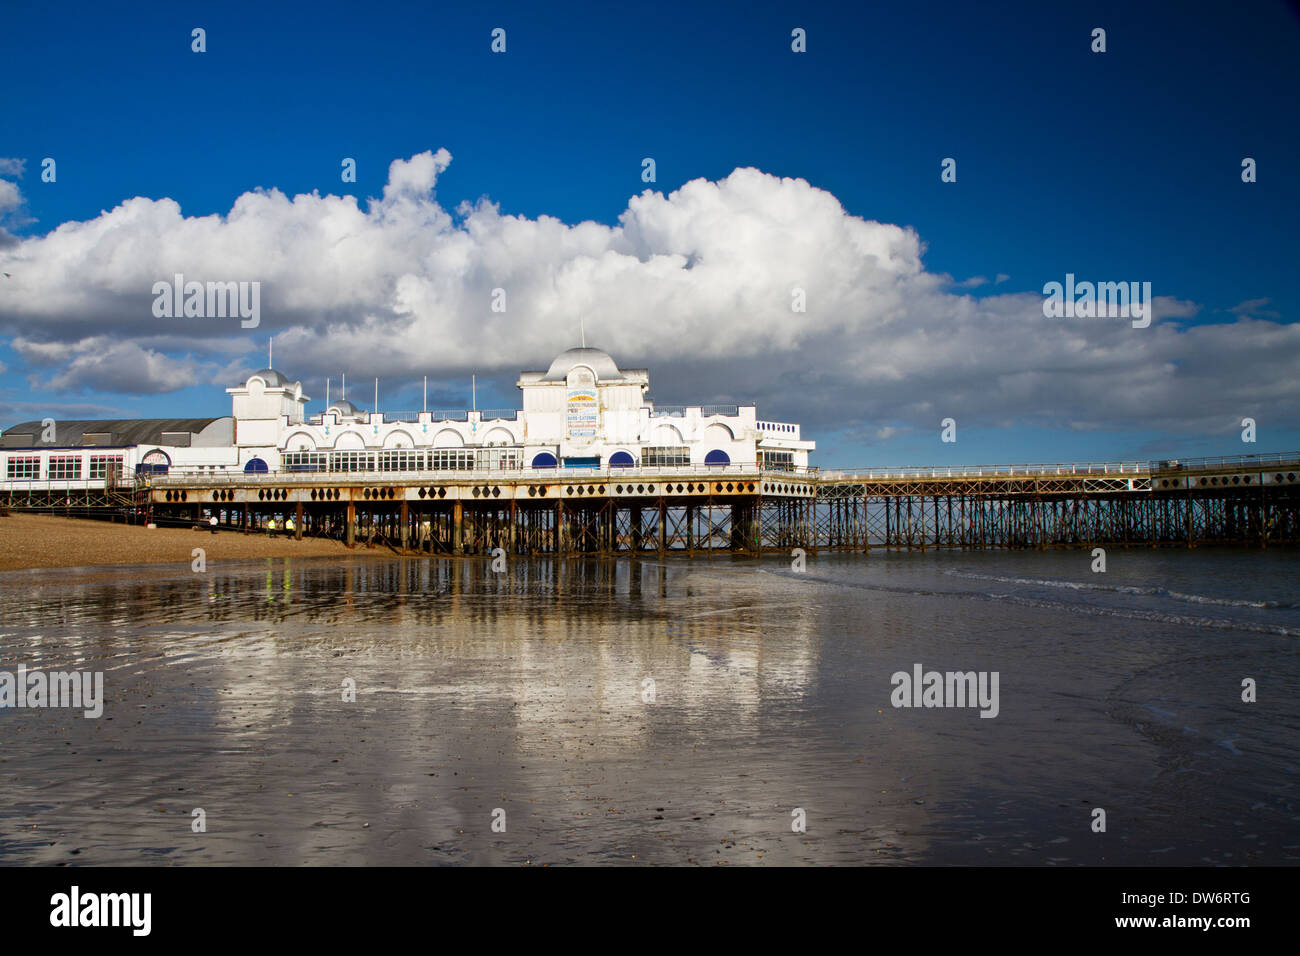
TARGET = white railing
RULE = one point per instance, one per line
(1118, 468)
(68, 485)
(182, 478)
(1048, 469)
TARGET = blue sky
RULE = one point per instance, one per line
(1116, 166)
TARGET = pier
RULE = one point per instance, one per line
(1249, 500)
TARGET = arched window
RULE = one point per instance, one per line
(621, 459)
(717, 457)
(544, 460)
(256, 465)
(155, 462)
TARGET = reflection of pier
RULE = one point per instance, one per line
(1251, 500)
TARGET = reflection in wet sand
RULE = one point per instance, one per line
(648, 712)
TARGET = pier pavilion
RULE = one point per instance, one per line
(591, 465)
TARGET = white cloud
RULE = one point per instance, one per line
(1254, 308)
(103, 364)
(696, 285)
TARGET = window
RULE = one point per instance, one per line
(64, 467)
(451, 459)
(778, 460)
(665, 456)
(300, 461)
(401, 460)
(352, 461)
(101, 465)
(497, 459)
(23, 468)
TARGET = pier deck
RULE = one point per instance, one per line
(1252, 500)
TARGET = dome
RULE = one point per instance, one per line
(598, 361)
(272, 378)
(345, 409)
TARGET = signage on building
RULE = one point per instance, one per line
(583, 414)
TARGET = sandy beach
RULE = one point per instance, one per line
(51, 541)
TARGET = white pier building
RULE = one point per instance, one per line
(582, 413)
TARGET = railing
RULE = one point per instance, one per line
(19, 485)
(1119, 468)
(460, 415)
(1232, 461)
(178, 478)
(991, 471)
(706, 411)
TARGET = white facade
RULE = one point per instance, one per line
(581, 413)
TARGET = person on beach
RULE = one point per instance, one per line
(270, 528)
(288, 526)
(212, 523)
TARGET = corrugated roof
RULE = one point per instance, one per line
(119, 431)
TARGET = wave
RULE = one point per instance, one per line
(1148, 591)
(1132, 614)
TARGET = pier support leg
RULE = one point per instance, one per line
(457, 528)
(297, 522)
(406, 524)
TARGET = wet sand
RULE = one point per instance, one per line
(52, 541)
(524, 693)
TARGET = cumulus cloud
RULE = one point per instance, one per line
(696, 285)
(103, 364)
(12, 215)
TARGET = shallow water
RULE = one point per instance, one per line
(772, 692)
